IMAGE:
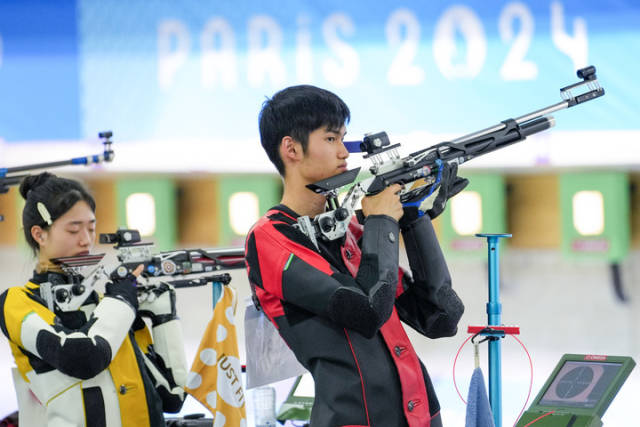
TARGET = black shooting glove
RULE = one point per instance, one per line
(124, 289)
(433, 203)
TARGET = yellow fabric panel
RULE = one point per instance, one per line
(17, 307)
(126, 376)
(143, 338)
(22, 361)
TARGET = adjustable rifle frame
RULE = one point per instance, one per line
(425, 164)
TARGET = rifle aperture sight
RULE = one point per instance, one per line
(121, 238)
(587, 73)
(108, 151)
(373, 143)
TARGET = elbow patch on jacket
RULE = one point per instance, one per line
(446, 323)
(451, 302)
(77, 357)
(351, 308)
(383, 297)
(171, 395)
(171, 402)
(453, 306)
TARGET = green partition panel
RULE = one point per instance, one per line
(490, 190)
(267, 188)
(163, 191)
(608, 232)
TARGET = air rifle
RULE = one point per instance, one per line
(185, 267)
(12, 176)
(206, 263)
(425, 164)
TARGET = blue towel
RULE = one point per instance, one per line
(478, 408)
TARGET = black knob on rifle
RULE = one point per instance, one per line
(587, 73)
(62, 295)
(341, 214)
(327, 223)
(77, 289)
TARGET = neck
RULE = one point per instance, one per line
(45, 265)
(301, 200)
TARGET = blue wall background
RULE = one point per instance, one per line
(71, 68)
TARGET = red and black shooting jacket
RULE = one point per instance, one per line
(339, 309)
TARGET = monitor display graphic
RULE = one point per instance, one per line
(580, 384)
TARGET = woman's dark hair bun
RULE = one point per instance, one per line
(33, 181)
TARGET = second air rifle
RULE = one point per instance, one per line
(180, 268)
(14, 175)
(424, 165)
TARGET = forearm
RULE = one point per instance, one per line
(431, 279)
(80, 353)
(428, 266)
(368, 305)
(169, 345)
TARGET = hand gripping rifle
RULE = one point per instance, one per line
(425, 164)
(9, 178)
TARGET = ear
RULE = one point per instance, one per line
(39, 234)
(290, 150)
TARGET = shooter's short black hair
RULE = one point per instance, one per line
(296, 112)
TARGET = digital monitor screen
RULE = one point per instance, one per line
(580, 384)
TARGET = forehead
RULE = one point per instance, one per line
(80, 213)
(330, 129)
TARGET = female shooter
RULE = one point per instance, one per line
(97, 364)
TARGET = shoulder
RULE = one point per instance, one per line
(16, 303)
(276, 229)
(15, 294)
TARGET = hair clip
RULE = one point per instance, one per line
(44, 213)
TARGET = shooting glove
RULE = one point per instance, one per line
(433, 202)
(159, 304)
(124, 289)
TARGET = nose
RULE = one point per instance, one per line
(343, 153)
(86, 238)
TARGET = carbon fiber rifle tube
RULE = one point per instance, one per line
(40, 166)
(537, 125)
(522, 119)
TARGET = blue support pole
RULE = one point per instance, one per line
(494, 311)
